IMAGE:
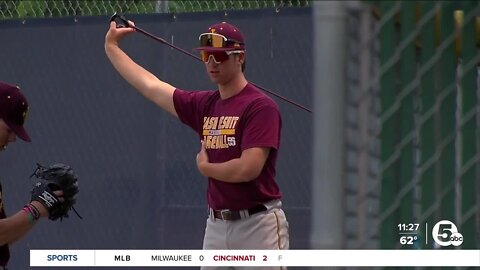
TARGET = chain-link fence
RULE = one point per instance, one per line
(362, 129)
(21, 9)
(430, 107)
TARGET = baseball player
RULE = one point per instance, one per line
(239, 128)
(13, 111)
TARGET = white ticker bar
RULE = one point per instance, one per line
(258, 258)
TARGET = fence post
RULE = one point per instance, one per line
(328, 125)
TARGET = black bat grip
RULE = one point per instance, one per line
(120, 20)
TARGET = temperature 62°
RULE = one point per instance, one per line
(408, 239)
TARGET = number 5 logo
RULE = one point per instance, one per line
(445, 233)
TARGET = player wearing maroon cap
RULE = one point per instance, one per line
(13, 111)
(239, 127)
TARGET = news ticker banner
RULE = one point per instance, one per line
(257, 258)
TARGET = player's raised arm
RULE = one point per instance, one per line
(160, 92)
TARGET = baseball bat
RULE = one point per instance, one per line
(124, 23)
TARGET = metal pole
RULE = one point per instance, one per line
(161, 6)
(477, 30)
(478, 155)
(458, 16)
(327, 230)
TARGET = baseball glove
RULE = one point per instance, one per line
(49, 179)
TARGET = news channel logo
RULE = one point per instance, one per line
(445, 234)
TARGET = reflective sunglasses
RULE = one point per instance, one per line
(218, 57)
(215, 40)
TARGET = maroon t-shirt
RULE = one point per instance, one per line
(248, 119)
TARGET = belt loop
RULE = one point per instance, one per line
(244, 214)
(212, 215)
(273, 204)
